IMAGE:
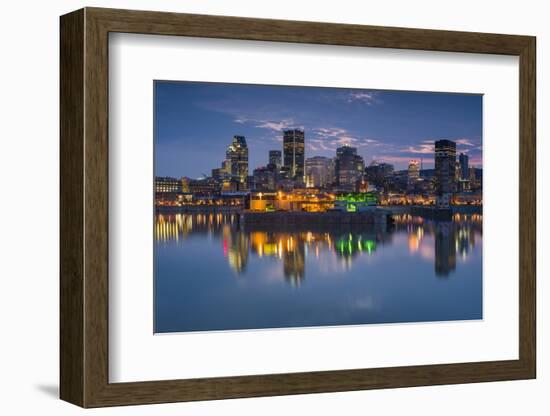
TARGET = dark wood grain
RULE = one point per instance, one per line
(71, 217)
(527, 207)
(84, 207)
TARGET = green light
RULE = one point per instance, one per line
(353, 198)
(370, 246)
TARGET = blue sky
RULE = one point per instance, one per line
(195, 122)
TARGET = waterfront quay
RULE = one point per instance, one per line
(198, 209)
(374, 215)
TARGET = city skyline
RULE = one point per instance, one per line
(276, 187)
(220, 111)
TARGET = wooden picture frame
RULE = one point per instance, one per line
(84, 207)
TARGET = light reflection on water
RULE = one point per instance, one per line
(211, 273)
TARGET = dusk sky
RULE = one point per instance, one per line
(195, 122)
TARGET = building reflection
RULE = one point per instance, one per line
(294, 263)
(441, 242)
(235, 248)
(450, 238)
(445, 253)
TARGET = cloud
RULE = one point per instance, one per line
(465, 142)
(427, 146)
(367, 97)
(330, 138)
(275, 125)
(269, 124)
(423, 149)
(392, 158)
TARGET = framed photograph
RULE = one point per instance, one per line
(255, 207)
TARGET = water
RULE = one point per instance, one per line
(210, 274)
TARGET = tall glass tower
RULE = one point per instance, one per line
(464, 167)
(445, 171)
(275, 158)
(294, 150)
(349, 166)
(236, 163)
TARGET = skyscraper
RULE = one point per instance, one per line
(349, 166)
(464, 166)
(265, 178)
(294, 149)
(376, 173)
(445, 168)
(236, 163)
(318, 172)
(413, 170)
(275, 158)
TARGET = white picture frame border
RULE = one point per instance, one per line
(135, 354)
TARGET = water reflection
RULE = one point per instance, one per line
(440, 242)
(213, 273)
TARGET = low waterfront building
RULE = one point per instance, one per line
(167, 184)
(206, 186)
(173, 199)
(262, 201)
(355, 201)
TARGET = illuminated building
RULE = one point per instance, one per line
(349, 167)
(206, 186)
(445, 171)
(167, 184)
(472, 174)
(464, 167)
(283, 173)
(236, 163)
(318, 172)
(355, 201)
(463, 173)
(185, 184)
(262, 201)
(377, 173)
(265, 178)
(219, 174)
(413, 170)
(476, 178)
(230, 185)
(362, 185)
(294, 151)
(275, 158)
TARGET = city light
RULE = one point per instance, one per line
(290, 182)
